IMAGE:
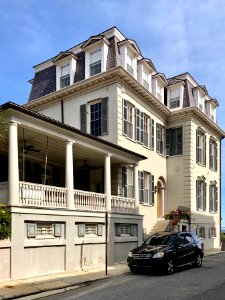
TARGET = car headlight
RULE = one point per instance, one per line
(158, 255)
(130, 254)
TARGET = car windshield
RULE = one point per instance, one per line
(161, 240)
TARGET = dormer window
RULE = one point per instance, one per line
(65, 76)
(159, 92)
(65, 69)
(95, 62)
(174, 100)
(130, 63)
(146, 79)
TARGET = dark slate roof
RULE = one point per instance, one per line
(44, 83)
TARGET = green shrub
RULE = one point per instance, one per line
(5, 222)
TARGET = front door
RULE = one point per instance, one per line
(159, 203)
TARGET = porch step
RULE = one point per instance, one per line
(161, 225)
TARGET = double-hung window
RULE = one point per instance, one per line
(200, 147)
(212, 232)
(213, 197)
(95, 62)
(142, 128)
(128, 119)
(139, 126)
(130, 61)
(174, 141)
(159, 92)
(98, 117)
(65, 76)
(146, 187)
(213, 154)
(174, 98)
(127, 176)
(145, 79)
(201, 189)
(160, 138)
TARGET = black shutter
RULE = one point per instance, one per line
(204, 195)
(104, 116)
(83, 118)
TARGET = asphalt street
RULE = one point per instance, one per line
(207, 282)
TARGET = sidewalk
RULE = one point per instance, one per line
(37, 287)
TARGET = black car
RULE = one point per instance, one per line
(165, 251)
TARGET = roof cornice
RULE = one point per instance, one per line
(118, 74)
(195, 111)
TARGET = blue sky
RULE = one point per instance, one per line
(179, 36)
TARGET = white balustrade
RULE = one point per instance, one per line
(124, 205)
(4, 192)
(89, 200)
(41, 195)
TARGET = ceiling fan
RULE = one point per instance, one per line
(26, 148)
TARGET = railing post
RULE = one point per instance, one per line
(107, 187)
(69, 174)
(135, 183)
(13, 165)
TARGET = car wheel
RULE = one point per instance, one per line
(198, 261)
(170, 267)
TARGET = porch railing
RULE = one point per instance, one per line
(32, 194)
(4, 192)
(121, 204)
(89, 200)
(41, 195)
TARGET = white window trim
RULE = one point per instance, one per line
(104, 53)
(62, 63)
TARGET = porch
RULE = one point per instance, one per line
(39, 195)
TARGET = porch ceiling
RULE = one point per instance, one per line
(38, 147)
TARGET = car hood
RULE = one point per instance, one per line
(149, 249)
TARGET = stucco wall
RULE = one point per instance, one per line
(5, 251)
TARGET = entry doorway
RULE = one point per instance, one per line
(160, 190)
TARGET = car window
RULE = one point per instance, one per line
(189, 238)
(161, 240)
(182, 240)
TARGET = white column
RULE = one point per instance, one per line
(108, 181)
(13, 165)
(69, 174)
(135, 184)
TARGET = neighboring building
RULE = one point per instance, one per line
(105, 88)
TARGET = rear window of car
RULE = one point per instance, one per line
(195, 237)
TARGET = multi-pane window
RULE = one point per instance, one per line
(174, 98)
(130, 60)
(146, 120)
(128, 119)
(200, 231)
(90, 230)
(95, 62)
(146, 187)
(142, 128)
(201, 189)
(174, 141)
(212, 232)
(213, 197)
(65, 76)
(123, 229)
(127, 182)
(200, 147)
(159, 92)
(139, 125)
(145, 79)
(98, 119)
(213, 154)
(152, 134)
(160, 138)
(44, 230)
